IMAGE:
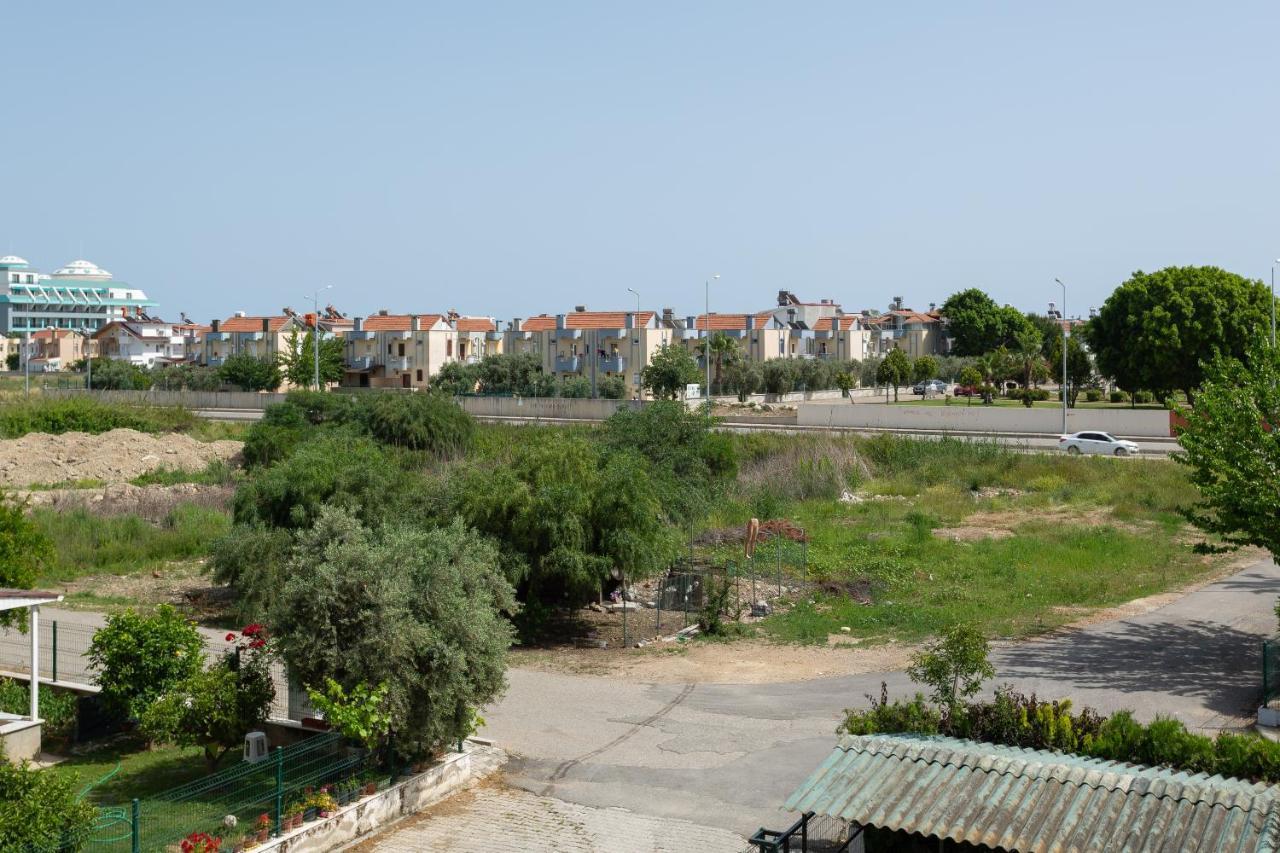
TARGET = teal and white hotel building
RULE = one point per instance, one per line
(81, 296)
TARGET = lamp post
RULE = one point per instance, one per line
(637, 295)
(315, 331)
(1065, 334)
(706, 344)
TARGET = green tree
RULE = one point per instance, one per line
(140, 657)
(971, 377)
(1027, 352)
(924, 368)
(780, 375)
(1156, 330)
(110, 374)
(613, 388)
(250, 373)
(421, 611)
(977, 324)
(13, 360)
(723, 348)
(895, 370)
(40, 810)
(1232, 447)
(1079, 365)
(955, 665)
(575, 387)
(360, 713)
(844, 381)
(428, 422)
(510, 373)
(215, 708)
(25, 552)
(669, 371)
(298, 360)
(455, 378)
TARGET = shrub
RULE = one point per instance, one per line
(57, 708)
(575, 387)
(1119, 397)
(85, 414)
(25, 552)
(110, 374)
(914, 716)
(39, 810)
(1093, 395)
(251, 559)
(955, 665)
(612, 388)
(250, 373)
(139, 658)
(1141, 397)
(428, 422)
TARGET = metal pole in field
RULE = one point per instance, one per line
(1273, 303)
(706, 339)
(135, 818)
(279, 804)
(315, 330)
(1065, 334)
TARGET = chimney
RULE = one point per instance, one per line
(933, 306)
(357, 324)
(382, 312)
(239, 313)
(580, 309)
(214, 324)
(560, 319)
(750, 322)
(668, 317)
(691, 322)
(266, 324)
(631, 320)
(515, 324)
(415, 323)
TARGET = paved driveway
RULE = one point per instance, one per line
(727, 755)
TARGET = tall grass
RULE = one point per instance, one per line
(95, 544)
(84, 414)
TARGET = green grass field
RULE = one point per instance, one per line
(953, 531)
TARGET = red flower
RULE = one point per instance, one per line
(230, 637)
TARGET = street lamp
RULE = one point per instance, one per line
(1065, 334)
(706, 345)
(315, 331)
(637, 294)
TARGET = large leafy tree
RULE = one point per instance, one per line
(139, 657)
(1231, 444)
(298, 361)
(669, 371)
(250, 373)
(421, 611)
(1079, 365)
(977, 324)
(723, 348)
(1157, 329)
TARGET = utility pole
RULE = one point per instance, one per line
(315, 330)
(1065, 335)
(706, 341)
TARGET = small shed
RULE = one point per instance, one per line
(943, 793)
(20, 734)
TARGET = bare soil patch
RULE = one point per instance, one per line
(1002, 524)
(182, 583)
(116, 456)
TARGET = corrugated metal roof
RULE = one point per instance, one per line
(1035, 800)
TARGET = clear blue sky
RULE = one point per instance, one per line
(515, 158)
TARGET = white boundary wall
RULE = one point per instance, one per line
(1143, 423)
(544, 407)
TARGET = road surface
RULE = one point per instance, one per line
(726, 756)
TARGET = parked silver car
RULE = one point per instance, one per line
(1102, 443)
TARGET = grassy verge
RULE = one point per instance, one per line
(142, 773)
(952, 531)
(93, 544)
(82, 414)
(216, 473)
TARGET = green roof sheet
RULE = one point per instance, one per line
(1035, 800)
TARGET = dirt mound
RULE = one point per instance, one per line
(152, 503)
(111, 457)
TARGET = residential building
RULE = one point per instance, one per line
(144, 341)
(80, 296)
(593, 344)
(916, 333)
(397, 350)
(760, 337)
(262, 337)
(477, 337)
(56, 349)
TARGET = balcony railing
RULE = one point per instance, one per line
(362, 362)
(568, 364)
(399, 362)
(214, 361)
(612, 364)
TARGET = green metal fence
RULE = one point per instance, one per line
(244, 792)
(1270, 669)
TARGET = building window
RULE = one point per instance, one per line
(400, 351)
(419, 374)
(448, 348)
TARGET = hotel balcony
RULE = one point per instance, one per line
(568, 364)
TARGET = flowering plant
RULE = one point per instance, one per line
(253, 636)
(263, 821)
(201, 842)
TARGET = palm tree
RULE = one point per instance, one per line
(1027, 350)
(722, 347)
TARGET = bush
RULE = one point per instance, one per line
(915, 716)
(575, 387)
(250, 373)
(139, 657)
(25, 552)
(613, 388)
(251, 559)
(109, 374)
(955, 665)
(1119, 397)
(40, 810)
(57, 707)
(1093, 395)
(428, 422)
(1141, 397)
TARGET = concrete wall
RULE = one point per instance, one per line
(20, 740)
(190, 399)
(543, 407)
(1148, 423)
(380, 810)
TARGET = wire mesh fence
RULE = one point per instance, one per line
(1270, 669)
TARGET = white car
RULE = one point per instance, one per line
(1096, 442)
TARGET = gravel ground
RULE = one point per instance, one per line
(110, 457)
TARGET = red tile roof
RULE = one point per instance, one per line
(732, 321)
(48, 334)
(586, 320)
(476, 324)
(253, 324)
(399, 322)
(826, 323)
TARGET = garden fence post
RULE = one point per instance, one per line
(279, 762)
(54, 649)
(662, 587)
(135, 835)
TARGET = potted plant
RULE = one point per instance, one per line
(263, 826)
(326, 805)
(343, 793)
(237, 846)
(201, 842)
(250, 841)
(293, 815)
(370, 783)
